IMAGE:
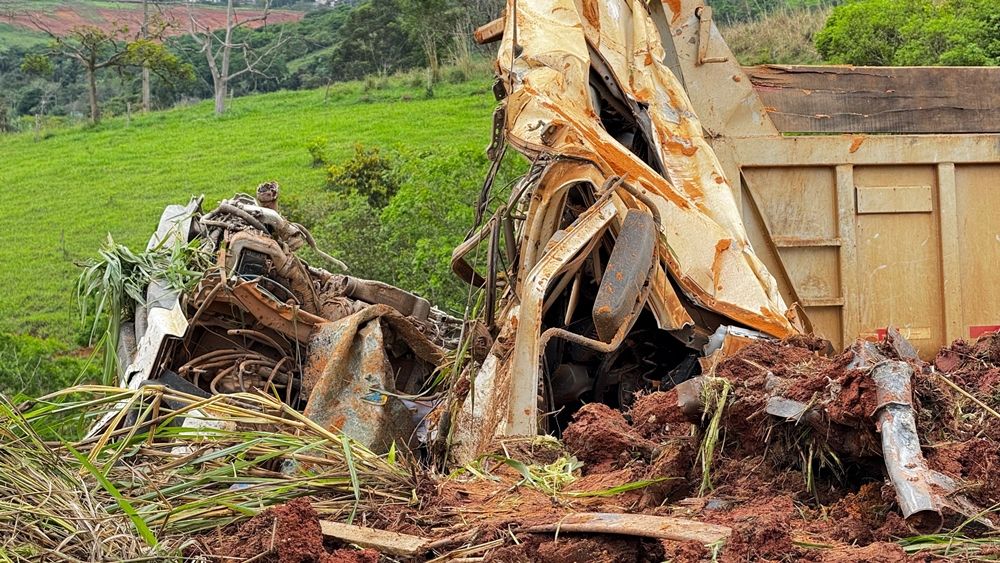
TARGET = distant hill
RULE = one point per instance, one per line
(62, 16)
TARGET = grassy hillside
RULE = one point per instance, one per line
(783, 37)
(67, 191)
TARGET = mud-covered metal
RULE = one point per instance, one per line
(547, 58)
(904, 461)
(350, 352)
(614, 142)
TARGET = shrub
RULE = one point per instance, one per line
(456, 75)
(317, 150)
(407, 242)
(368, 173)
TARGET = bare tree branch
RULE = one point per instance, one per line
(218, 45)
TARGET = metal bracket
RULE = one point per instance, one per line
(704, 14)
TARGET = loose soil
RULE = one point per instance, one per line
(289, 533)
(806, 491)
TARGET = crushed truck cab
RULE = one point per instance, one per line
(625, 246)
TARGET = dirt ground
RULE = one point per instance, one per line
(63, 19)
(789, 492)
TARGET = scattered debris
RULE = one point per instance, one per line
(356, 355)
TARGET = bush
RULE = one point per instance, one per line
(368, 174)
(912, 32)
(408, 241)
(345, 226)
(317, 150)
(456, 75)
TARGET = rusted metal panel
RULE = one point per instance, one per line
(358, 399)
(550, 109)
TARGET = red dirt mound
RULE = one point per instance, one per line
(289, 533)
(62, 20)
(656, 415)
(601, 434)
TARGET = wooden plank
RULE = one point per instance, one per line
(842, 99)
(950, 253)
(490, 32)
(642, 525)
(846, 230)
(894, 199)
(392, 543)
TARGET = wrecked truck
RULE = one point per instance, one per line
(623, 261)
(355, 355)
(637, 266)
(625, 248)
(616, 262)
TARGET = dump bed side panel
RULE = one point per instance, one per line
(870, 193)
(912, 245)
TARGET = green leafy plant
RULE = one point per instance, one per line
(317, 151)
(912, 32)
(111, 285)
(368, 173)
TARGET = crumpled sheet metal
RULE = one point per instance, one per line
(348, 374)
(549, 110)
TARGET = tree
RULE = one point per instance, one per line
(372, 39)
(430, 22)
(217, 46)
(37, 66)
(912, 32)
(145, 67)
(96, 49)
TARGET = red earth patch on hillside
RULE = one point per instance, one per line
(64, 19)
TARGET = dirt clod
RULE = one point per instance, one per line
(601, 434)
(288, 533)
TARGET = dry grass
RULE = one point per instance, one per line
(783, 37)
(139, 488)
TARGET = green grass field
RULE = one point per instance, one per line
(16, 36)
(64, 193)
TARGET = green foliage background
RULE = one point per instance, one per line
(912, 32)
